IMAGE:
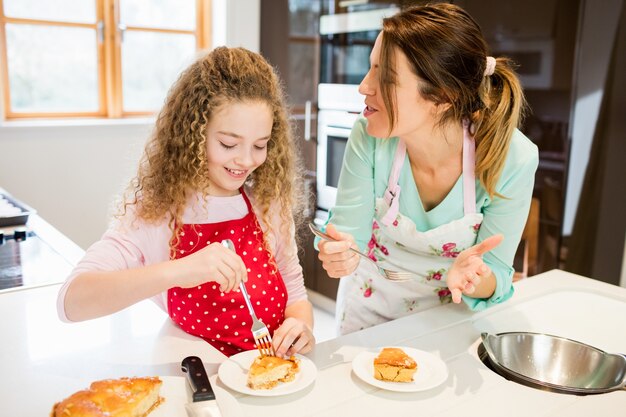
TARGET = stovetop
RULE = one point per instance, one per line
(27, 260)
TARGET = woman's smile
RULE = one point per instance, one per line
(369, 110)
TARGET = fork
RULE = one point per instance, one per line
(389, 274)
(260, 332)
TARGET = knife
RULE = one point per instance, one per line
(204, 403)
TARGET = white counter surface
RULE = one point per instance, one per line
(43, 360)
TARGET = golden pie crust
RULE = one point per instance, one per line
(124, 397)
(267, 371)
(393, 364)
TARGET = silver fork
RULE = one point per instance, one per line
(389, 274)
(260, 332)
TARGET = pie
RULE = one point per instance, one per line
(267, 371)
(393, 364)
(124, 397)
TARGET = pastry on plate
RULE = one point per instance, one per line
(127, 397)
(393, 364)
(267, 371)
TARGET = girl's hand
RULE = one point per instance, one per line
(293, 336)
(337, 259)
(468, 269)
(214, 263)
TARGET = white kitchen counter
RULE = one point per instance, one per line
(555, 302)
(43, 360)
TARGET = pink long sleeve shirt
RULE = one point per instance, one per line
(132, 243)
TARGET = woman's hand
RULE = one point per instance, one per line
(337, 259)
(293, 336)
(214, 263)
(469, 270)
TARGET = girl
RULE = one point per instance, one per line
(438, 171)
(221, 165)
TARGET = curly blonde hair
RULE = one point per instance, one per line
(174, 163)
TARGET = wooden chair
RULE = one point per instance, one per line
(526, 257)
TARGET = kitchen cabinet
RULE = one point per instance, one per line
(537, 24)
(522, 20)
(290, 41)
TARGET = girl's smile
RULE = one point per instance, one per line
(237, 138)
(238, 174)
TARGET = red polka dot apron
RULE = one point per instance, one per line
(365, 298)
(222, 319)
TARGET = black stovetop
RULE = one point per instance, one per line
(30, 262)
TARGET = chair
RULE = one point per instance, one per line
(526, 257)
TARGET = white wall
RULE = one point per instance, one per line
(71, 172)
(236, 23)
(596, 39)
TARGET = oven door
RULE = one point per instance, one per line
(332, 137)
(346, 42)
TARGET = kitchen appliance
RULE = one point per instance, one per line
(204, 403)
(26, 259)
(333, 130)
(346, 43)
(346, 40)
(12, 211)
(535, 60)
(553, 363)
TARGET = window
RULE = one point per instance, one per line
(96, 58)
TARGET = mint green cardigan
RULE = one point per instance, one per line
(364, 176)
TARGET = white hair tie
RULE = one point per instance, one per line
(491, 66)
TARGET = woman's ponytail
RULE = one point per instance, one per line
(503, 112)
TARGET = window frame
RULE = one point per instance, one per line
(108, 37)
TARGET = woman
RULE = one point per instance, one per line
(437, 179)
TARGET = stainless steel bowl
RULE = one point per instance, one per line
(555, 363)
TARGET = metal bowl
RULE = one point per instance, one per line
(556, 363)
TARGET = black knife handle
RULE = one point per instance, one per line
(198, 379)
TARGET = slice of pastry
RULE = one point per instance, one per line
(393, 364)
(267, 371)
(125, 397)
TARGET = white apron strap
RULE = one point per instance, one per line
(392, 193)
(469, 176)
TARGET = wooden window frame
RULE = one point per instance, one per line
(109, 50)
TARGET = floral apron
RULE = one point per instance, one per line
(365, 298)
(222, 319)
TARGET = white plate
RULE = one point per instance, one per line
(431, 371)
(234, 374)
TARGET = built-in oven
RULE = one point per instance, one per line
(347, 40)
(332, 136)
